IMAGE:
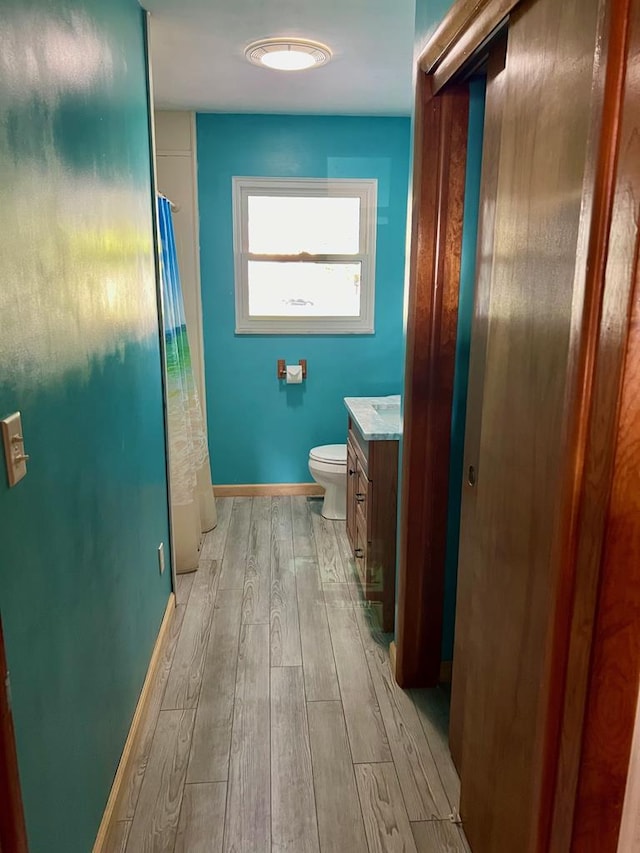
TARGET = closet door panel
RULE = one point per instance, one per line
(509, 564)
(484, 265)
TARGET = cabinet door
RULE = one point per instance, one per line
(360, 552)
(362, 494)
(351, 490)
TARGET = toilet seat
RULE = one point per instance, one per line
(334, 454)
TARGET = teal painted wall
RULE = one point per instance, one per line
(463, 343)
(80, 592)
(261, 431)
(429, 13)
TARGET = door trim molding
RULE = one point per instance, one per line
(467, 25)
(432, 316)
(597, 624)
(436, 248)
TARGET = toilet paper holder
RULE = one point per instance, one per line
(282, 368)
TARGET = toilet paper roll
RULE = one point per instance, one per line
(294, 374)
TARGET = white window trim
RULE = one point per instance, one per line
(366, 189)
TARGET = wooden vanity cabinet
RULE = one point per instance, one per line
(372, 498)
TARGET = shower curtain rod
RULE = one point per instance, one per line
(175, 208)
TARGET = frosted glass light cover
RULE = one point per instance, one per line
(283, 54)
(288, 60)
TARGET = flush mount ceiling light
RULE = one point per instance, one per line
(288, 54)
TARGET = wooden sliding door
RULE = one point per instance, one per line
(524, 394)
(547, 652)
(469, 541)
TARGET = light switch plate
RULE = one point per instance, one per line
(161, 557)
(14, 454)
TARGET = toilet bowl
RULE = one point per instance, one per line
(328, 467)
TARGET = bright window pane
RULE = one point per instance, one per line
(290, 225)
(304, 289)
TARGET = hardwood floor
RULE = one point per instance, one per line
(276, 725)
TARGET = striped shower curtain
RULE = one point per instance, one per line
(192, 503)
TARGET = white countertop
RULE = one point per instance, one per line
(377, 418)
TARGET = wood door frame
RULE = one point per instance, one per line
(588, 600)
(603, 659)
(13, 833)
(429, 372)
(439, 170)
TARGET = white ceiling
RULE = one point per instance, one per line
(197, 54)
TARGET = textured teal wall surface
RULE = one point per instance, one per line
(261, 431)
(80, 593)
(429, 13)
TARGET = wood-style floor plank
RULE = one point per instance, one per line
(285, 627)
(438, 836)
(155, 823)
(320, 678)
(320, 658)
(235, 549)
(433, 711)
(340, 823)
(385, 817)
(183, 684)
(369, 614)
(350, 571)
(209, 760)
(367, 734)
(214, 540)
(372, 636)
(420, 782)
(184, 582)
(281, 519)
(201, 826)
(329, 559)
(304, 544)
(248, 812)
(337, 595)
(117, 838)
(133, 782)
(256, 604)
(293, 812)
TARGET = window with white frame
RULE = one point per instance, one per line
(304, 255)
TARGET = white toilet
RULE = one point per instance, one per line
(328, 467)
